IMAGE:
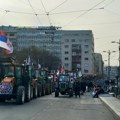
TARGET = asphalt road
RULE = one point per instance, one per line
(61, 108)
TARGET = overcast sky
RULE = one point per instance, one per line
(100, 16)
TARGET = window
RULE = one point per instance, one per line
(66, 46)
(87, 34)
(86, 40)
(66, 52)
(18, 71)
(66, 40)
(73, 40)
(66, 58)
(66, 64)
(86, 52)
(86, 46)
(86, 58)
(86, 64)
(86, 71)
(11, 34)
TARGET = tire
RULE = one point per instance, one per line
(39, 90)
(43, 91)
(2, 99)
(56, 93)
(31, 92)
(35, 91)
(20, 98)
(47, 91)
(27, 92)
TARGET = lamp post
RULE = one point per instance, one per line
(109, 53)
(119, 63)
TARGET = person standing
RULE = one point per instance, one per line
(77, 88)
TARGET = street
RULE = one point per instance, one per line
(61, 108)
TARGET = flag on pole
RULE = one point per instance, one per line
(28, 60)
(79, 73)
(10, 46)
(3, 40)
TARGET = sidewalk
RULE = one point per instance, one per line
(112, 103)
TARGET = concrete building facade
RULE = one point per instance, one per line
(77, 50)
(98, 64)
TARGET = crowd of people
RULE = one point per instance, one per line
(80, 87)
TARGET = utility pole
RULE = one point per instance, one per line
(109, 53)
(118, 69)
(118, 78)
(109, 68)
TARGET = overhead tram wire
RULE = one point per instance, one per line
(84, 13)
(58, 5)
(16, 12)
(20, 12)
(27, 4)
(74, 11)
(34, 12)
(47, 13)
(109, 3)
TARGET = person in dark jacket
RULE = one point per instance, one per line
(77, 88)
(83, 86)
(99, 90)
(90, 86)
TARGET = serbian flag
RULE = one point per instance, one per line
(3, 41)
(9, 44)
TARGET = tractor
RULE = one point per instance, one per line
(17, 81)
(45, 81)
(64, 85)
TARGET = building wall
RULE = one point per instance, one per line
(42, 38)
(98, 64)
(84, 39)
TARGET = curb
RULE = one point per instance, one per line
(116, 114)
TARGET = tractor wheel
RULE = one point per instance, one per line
(39, 90)
(35, 91)
(31, 92)
(27, 92)
(20, 99)
(56, 93)
(2, 100)
(43, 91)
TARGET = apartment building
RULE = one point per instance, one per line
(77, 50)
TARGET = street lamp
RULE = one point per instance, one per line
(119, 62)
(109, 53)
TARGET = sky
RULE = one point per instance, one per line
(100, 16)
